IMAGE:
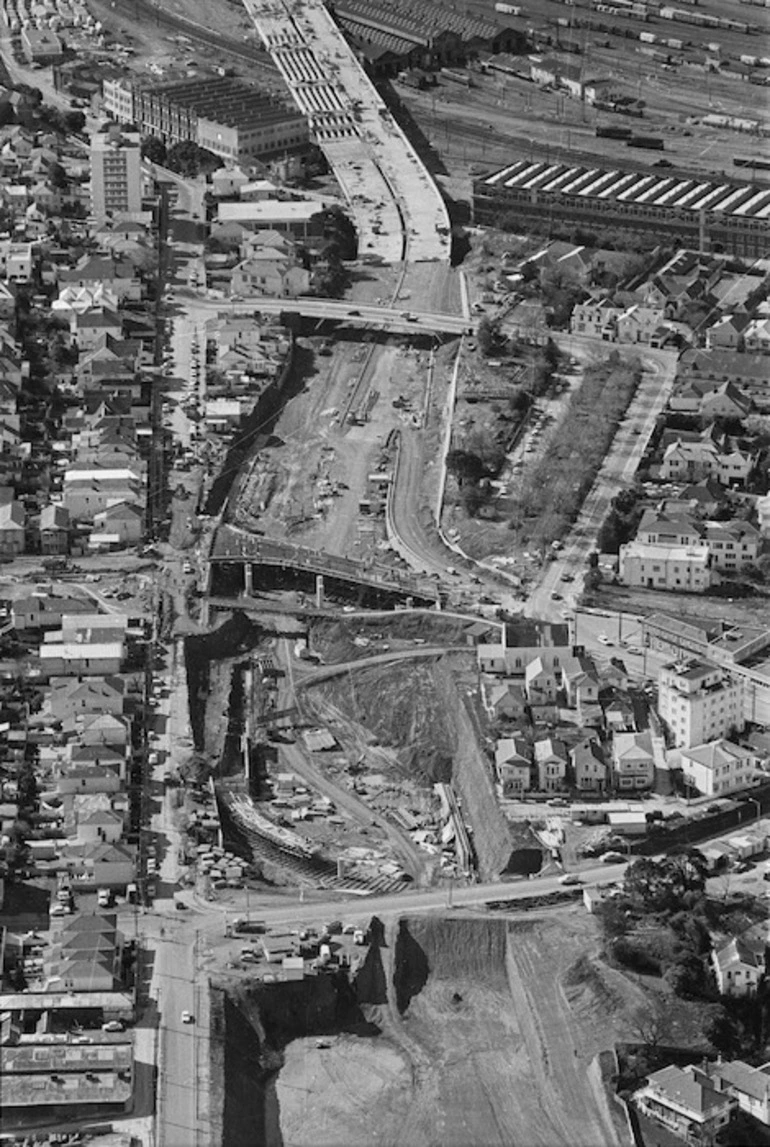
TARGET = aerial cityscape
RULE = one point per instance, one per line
(384, 573)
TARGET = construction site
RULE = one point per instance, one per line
(440, 1030)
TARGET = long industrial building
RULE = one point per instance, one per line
(708, 215)
(393, 34)
(228, 118)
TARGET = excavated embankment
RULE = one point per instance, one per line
(259, 1020)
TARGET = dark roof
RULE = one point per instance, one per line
(224, 100)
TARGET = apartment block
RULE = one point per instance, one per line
(116, 175)
(699, 702)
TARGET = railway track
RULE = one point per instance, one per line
(144, 10)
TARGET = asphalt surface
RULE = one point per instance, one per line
(350, 313)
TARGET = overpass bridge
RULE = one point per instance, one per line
(239, 560)
(359, 314)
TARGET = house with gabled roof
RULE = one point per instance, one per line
(82, 779)
(756, 337)
(45, 611)
(513, 766)
(589, 768)
(54, 530)
(749, 1086)
(739, 967)
(551, 764)
(723, 460)
(595, 317)
(725, 400)
(123, 520)
(89, 325)
(117, 277)
(541, 682)
(86, 695)
(719, 767)
(733, 545)
(100, 826)
(96, 728)
(727, 332)
(662, 529)
(686, 1102)
(502, 699)
(633, 761)
(13, 528)
(111, 865)
(580, 681)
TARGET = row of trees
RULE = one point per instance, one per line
(481, 454)
(554, 490)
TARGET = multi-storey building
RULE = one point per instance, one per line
(683, 568)
(742, 650)
(116, 174)
(698, 702)
(228, 118)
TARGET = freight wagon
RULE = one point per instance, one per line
(609, 131)
(650, 142)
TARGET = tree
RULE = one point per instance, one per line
(649, 1024)
(551, 354)
(26, 787)
(74, 121)
(154, 149)
(185, 158)
(686, 976)
(466, 466)
(338, 229)
(667, 884)
(488, 335)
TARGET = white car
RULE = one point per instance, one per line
(187, 1017)
(570, 878)
(604, 639)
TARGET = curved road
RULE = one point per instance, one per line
(421, 544)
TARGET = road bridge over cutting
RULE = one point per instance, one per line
(359, 315)
(239, 562)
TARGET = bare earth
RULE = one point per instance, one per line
(497, 1060)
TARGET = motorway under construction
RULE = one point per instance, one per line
(397, 209)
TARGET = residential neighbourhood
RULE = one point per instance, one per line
(384, 575)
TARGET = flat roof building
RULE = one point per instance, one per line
(116, 174)
(40, 46)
